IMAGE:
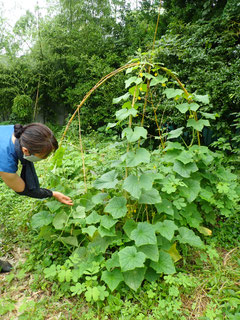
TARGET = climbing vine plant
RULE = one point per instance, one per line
(132, 222)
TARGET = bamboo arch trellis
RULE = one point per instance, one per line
(104, 79)
(97, 85)
(110, 75)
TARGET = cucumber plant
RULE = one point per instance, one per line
(130, 224)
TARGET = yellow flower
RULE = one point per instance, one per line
(134, 211)
(141, 89)
(163, 84)
(155, 74)
(139, 98)
(141, 75)
(154, 167)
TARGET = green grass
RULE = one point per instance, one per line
(207, 290)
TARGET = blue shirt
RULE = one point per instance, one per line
(8, 156)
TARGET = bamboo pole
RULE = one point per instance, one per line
(105, 78)
(82, 151)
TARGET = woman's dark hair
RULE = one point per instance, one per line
(36, 137)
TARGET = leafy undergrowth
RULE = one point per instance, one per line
(205, 285)
(208, 290)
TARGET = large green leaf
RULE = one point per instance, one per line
(89, 230)
(151, 275)
(70, 240)
(166, 228)
(134, 185)
(173, 145)
(107, 222)
(183, 108)
(209, 115)
(127, 105)
(164, 265)
(113, 262)
(134, 91)
(146, 180)
(93, 218)
(191, 190)
(134, 278)
(143, 234)
(130, 259)
(169, 156)
(111, 125)
(148, 75)
(172, 93)
(104, 232)
(165, 206)
(158, 79)
(53, 206)
(198, 124)
(46, 233)
(79, 212)
(188, 236)
(117, 207)
(184, 170)
(150, 250)
(192, 215)
(143, 88)
(112, 278)
(175, 133)
(99, 198)
(57, 158)
(86, 201)
(204, 99)
(123, 97)
(59, 220)
(151, 196)
(131, 185)
(129, 81)
(194, 106)
(107, 180)
(134, 135)
(163, 243)
(225, 174)
(99, 244)
(40, 219)
(129, 226)
(141, 155)
(125, 113)
(185, 157)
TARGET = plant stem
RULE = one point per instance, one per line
(82, 152)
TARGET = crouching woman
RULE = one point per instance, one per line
(27, 144)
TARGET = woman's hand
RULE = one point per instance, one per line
(62, 198)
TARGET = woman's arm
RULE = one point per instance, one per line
(16, 183)
(13, 181)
